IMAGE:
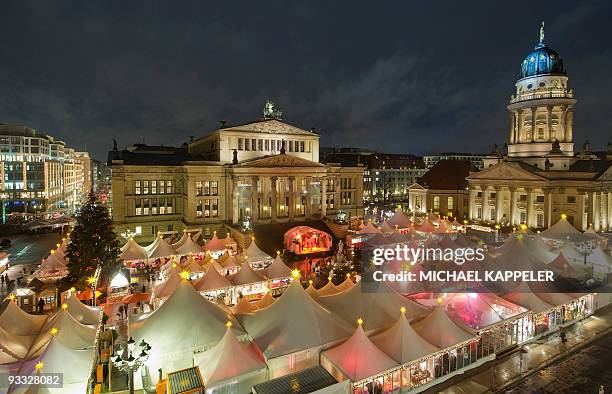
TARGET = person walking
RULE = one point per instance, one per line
(41, 305)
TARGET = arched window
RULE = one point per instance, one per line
(436, 202)
(449, 204)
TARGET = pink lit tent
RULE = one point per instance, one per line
(369, 229)
(385, 227)
(192, 266)
(304, 239)
(425, 227)
(231, 361)
(357, 358)
(215, 245)
(439, 330)
(400, 220)
(212, 280)
(478, 310)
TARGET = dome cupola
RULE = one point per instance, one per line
(542, 60)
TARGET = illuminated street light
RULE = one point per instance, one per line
(127, 359)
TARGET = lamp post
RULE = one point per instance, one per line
(126, 359)
(3, 197)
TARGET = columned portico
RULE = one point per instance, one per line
(274, 197)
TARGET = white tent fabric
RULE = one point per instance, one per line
(538, 249)
(161, 249)
(185, 322)
(229, 262)
(563, 230)
(439, 330)
(82, 313)
(400, 219)
(385, 227)
(232, 360)
(182, 240)
(369, 229)
(53, 265)
(570, 252)
(16, 321)
(132, 251)
(212, 280)
(14, 347)
(278, 269)
(70, 333)
(524, 297)
(168, 287)
(265, 301)
(189, 246)
(556, 299)
(377, 306)
(312, 292)
(402, 343)
(215, 244)
(328, 289)
(246, 275)
(562, 267)
(256, 255)
(192, 266)
(295, 322)
(346, 285)
(358, 358)
(600, 260)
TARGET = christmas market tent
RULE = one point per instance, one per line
(571, 253)
(523, 296)
(479, 310)
(294, 323)
(243, 306)
(563, 230)
(399, 220)
(312, 292)
(439, 330)
(592, 233)
(161, 249)
(169, 286)
(356, 359)
(601, 262)
(215, 246)
(246, 276)
(304, 239)
(230, 263)
(346, 285)
(376, 303)
(385, 227)
(369, 229)
(212, 280)
(82, 313)
(266, 301)
(184, 323)
(189, 247)
(230, 243)
(52, 267)
(562, 267)
(215, 265)
(16, 321)
(278, 269)
(232, 365)
(67, 330)
(132, 251)
(57, 358)
(182, 240)
(328, 289)
(192, 266)
(14, 347)
(402, 343)
(425, 227)
(538, 249)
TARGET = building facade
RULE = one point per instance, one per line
(541, 177)
(476, 159)
(39, 174)
(233, 174)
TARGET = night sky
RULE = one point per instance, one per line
(409, 76)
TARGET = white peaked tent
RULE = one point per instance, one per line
(230, 361)
(592, 233)
(402, 343)
(516, 256)
(246, 276)
(161, 249)
(369, 229)
(243, 306)
(168, 287)
(357, 358)
(425, 227)
(82, 313)
(312, 292)
(192, 266)
(570, 252)
(53, 265)
(400, 219)
(265, 301)
(439, 330)
(132, 251)
(328, 289)
(184, 323)
(215, 245)
(58, 358)
(295, 322)
(377, 306)
(524, 297)
(16, 321)
(229, 263)
(14, 347)
(385, 227)
(255, 255)
(563, 230)
(278, 269)
(346, 285)
(64, 328)
(182, 240)
(562, 267)
(196, 236)
(189, 246)
(538, 249)
(600, 260)
(212, 280)
(215, 265)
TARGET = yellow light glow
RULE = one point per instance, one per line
(52, 251)
(64, 306)
(252, 238)
(563, 216)
(348, 275)
(173, 265)
(360, 321)
(296, 274)
(228, 324)
(72, 289)
(11, 297)
(329, 278)
(184, 274)
(523, 227)
(57, 245)
(310, 282)
(39, 365)
(278, 252)
(439, 300)
(91, 280)
(403, 310)
(53, 331)
(98, 294)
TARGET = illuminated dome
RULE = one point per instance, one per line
(542, 60)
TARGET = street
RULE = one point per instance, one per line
(581, 372)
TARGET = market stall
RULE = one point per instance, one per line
(305, 240)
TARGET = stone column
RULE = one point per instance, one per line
(609, 210)
(548, 207)
(254, 198)
(562, 122)
(234, 199)
(533, 124)
(274, 207)
(596, 211)
(604, 215)
(512, 128)
(549, 123)
(499, 204)
(569, 126)
(291, 208)
(471, 203)
(323, 197)
(590, 197)
(519, 128)
(308, 207)
(485, 204)
(529, 207)
(513, 220)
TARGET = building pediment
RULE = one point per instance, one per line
(282, 160)
(416, 186)
(269, 126)
(606, 175)
(507, 172)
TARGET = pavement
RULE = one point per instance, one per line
(543, 357)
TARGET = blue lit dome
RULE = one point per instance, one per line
(542, 60)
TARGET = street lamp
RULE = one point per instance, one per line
(126, 358)
(3, 197)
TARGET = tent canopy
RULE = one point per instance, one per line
(439, 330)
(278, 269)
(215, 244)
(16, 321)
(212, 280)
(188, 246)
(132, 251)
(160, 249)
(82, 313)
(246, 276)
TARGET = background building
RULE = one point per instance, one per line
(232, 175)
(40, 174)
(475, 158)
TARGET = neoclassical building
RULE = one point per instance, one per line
(541, 177)
(266, 171)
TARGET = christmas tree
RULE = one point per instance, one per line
(93, 244)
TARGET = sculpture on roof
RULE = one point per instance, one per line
(270, 112)
(542, 33)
